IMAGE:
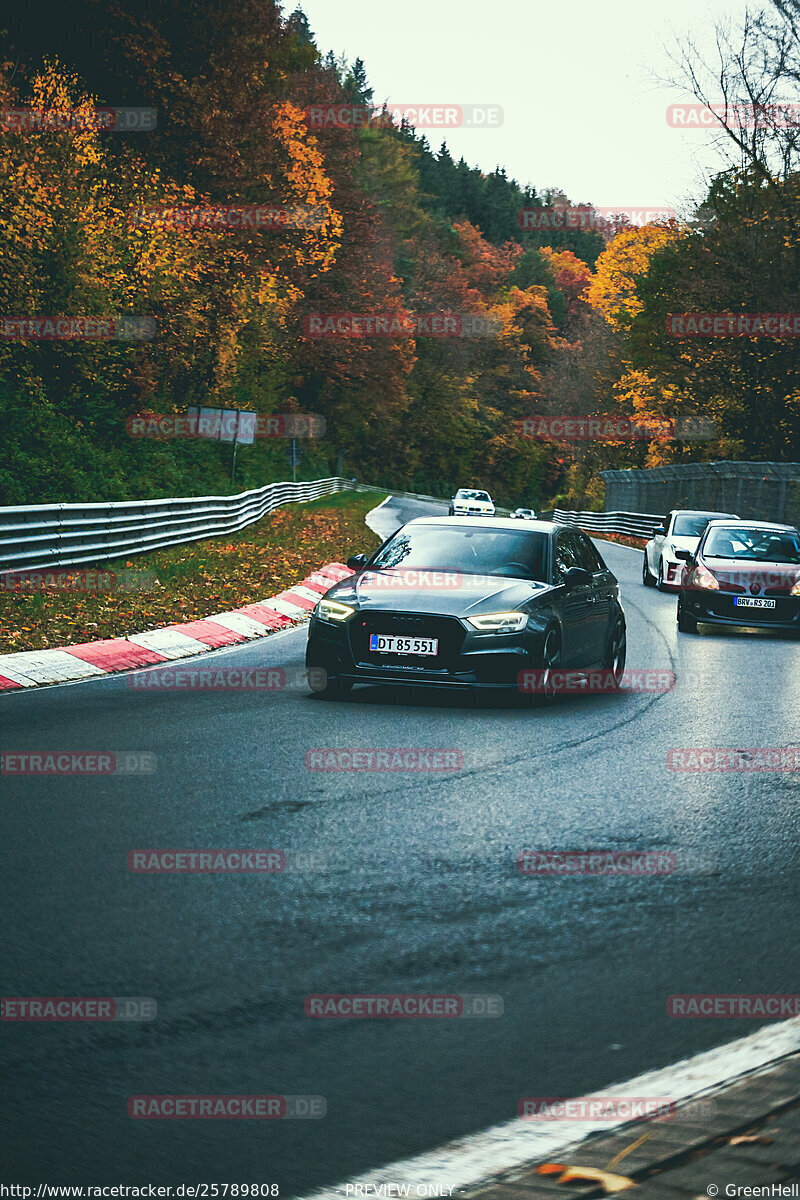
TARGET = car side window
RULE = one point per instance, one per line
(668, 519)
(587, 555)
(564, 554)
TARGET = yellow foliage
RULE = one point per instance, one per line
(612, 291)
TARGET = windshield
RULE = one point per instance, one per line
(508, 553)
(466, 494)
(759, 545)
(690, 526)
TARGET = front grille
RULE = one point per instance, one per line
(449, 632)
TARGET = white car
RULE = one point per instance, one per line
(468, 502)
(682, 530)
(524, 514)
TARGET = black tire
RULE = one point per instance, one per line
(616, 651)
(660, 580)
(647, 579)
(551, 658)
(686, 624)
(451, 512)
(327, 687)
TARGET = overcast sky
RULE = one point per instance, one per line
(582, 109)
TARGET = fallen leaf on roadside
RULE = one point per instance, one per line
(743, 1139)
(608, 1181)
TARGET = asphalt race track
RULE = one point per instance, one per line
(410, 884)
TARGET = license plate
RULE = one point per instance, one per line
(752, 602)
(385, 643)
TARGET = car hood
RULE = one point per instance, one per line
(756, 577)
(441, 593)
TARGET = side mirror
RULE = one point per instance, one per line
(577, 577)
(660, 531)
(684, 554)
(357, 562)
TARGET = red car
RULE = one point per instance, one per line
(742, 573)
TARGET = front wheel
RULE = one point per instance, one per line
(616, 652)
(686, 624)
(451, 512)
(551, 661)
(647, 579)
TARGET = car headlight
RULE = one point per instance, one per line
(701, 577)
(332, 610)
(507, 622)
(796, 589)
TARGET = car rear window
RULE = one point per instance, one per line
(690, 526)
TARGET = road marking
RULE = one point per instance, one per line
(29, 667)
(288, 610)
(239, 623)
(515, 1143)
(169, 642)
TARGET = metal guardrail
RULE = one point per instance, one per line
(37, 536)
(632, 524)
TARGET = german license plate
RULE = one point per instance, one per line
(385, 643)
(752, 602)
